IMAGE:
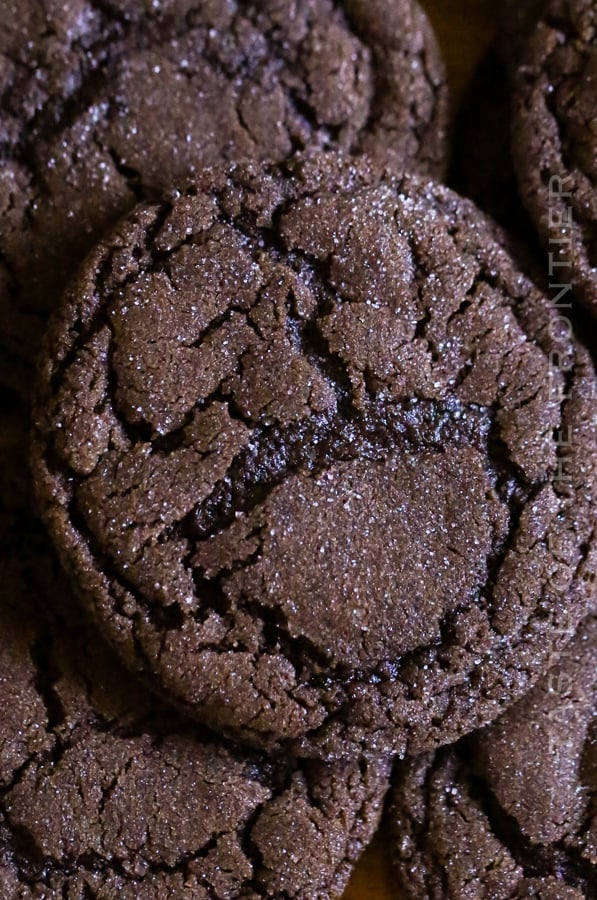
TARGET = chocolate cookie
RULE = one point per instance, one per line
(105, 794)
(555, 144)
(173, 87)
(48, 48)
(512, 812)
(321, 459)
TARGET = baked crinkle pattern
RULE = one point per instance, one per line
(555, 142)
(137, 97)
(48, 48)
(296, 439)
(105, 794)
(512, 812)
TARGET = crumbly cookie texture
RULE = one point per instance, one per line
(104, 793)
(300, 441)
(118, 102)
(555, 143)
(512, 812)
(48, 49)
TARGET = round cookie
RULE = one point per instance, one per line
(173, 87)
(511, 812)
(555, 144)
(321, 460)
(104, 793)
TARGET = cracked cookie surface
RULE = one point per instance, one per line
(153, 92)
(105, 793)
(555, 143)
(512, 811)
(297, 440)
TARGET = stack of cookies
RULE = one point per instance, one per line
(298, 498)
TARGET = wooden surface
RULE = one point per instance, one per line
(464, 29)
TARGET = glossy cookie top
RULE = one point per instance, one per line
(320, 458)
(511, 813)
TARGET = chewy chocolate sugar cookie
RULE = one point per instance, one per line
(105, 794)
(554, 135)
(321, 460)
(511, 813)
(168, 88)
(48, 48)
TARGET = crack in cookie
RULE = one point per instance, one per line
(297, 438)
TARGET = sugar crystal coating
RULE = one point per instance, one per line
(299, 441)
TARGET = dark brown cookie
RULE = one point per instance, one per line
(511, 812)
(105, 794)
(555, 144)
(321, 459)
(173, 87)
(48, 48)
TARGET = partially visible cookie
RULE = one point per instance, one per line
(320, 458)
(48, 48)
(511, 812)
(106, 794)
(555, 144)
(173, 87)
